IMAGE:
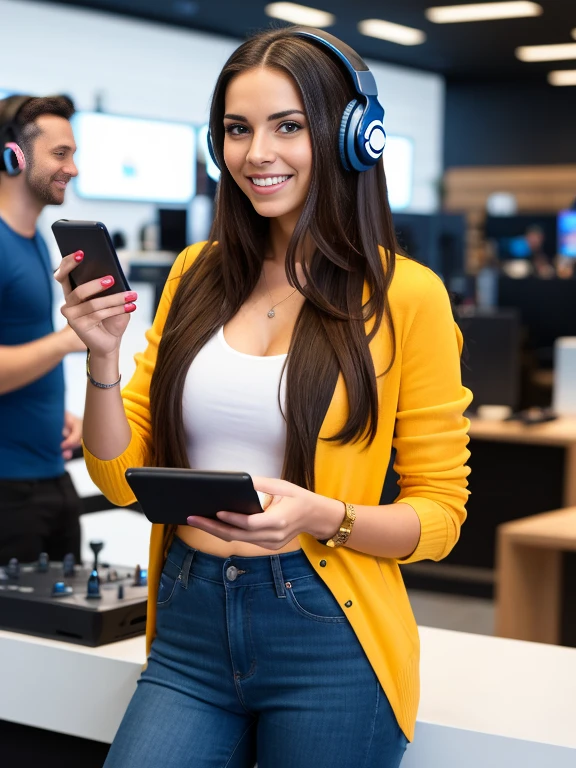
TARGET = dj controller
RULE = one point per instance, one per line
(78, 604)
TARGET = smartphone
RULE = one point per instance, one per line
(170, 496)
(100, 258)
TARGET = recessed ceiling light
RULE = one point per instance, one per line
(394, 33)
(559, 52)
(300, 14)
(562, 77)
(449, 14)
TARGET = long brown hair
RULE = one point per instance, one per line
(346, 217)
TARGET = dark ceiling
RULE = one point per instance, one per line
(460, 51)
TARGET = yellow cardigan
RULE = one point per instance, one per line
(422, 402)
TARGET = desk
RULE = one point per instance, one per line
(533, 593)
(560, 433)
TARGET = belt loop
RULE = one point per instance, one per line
(186, 565)
(278, 578)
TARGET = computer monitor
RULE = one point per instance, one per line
(508, 233)
(172, 229)
(437, 240)
(567, 233)
(546, 308)
(491, 357)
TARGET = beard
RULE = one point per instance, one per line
(41, 186)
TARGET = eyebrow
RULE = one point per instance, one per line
(275, 116)
(65, 147)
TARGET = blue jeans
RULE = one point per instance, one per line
(254, 660)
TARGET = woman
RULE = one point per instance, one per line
(297, 346)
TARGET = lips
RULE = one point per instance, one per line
(268, 185)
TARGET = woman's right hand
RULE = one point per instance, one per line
(99, 322)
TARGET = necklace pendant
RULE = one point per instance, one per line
(271, 313)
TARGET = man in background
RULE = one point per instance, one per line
(39, 507)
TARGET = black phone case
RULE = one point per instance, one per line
(169, 496)
(100, 258)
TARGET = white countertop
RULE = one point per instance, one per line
(470, 683)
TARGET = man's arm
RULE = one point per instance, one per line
(24, 363)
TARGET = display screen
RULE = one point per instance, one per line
(567, 233)
(398, 157)
(128, 158)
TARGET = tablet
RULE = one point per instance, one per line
(170, 496)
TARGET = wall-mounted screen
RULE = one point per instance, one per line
(129, 158)
(398, 160)
(567, 233)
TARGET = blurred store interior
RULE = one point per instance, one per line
(481, 167)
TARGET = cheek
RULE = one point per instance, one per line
(302, 159)
(234, 157)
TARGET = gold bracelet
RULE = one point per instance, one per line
(343, 533)
(98, 383)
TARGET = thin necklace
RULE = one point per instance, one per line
(271, 312)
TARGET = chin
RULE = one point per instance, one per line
(273, 210)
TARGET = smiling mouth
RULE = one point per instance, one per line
(270, 181)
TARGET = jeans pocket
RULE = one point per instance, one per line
(312, 599)
(169, 578)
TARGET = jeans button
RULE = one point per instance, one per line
(231, 572)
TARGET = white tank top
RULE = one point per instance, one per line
(231, 414)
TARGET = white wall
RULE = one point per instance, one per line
(145, 69)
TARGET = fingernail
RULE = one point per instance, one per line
(132, 296)
(79, 255)
(129, 307)
(107, 281)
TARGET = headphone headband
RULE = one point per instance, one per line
(363, 79)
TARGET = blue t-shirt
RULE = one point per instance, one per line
(31, 418)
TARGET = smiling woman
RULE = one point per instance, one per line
(297, 346)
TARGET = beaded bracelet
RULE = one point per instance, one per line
(98, 383)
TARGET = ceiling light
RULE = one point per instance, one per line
(449, 14)
(574, 33)
(562, 77)
(394, 33)
(300, 14)
(559, 52)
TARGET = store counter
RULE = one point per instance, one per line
(485, 701)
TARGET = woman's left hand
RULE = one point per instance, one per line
(288, 511)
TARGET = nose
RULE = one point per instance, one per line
(70, 168)
(261, 149)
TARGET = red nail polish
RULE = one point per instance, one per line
(78, 256)
(107, 281)
(129, 307)
(132, 296)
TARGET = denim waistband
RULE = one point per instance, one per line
(236, 571)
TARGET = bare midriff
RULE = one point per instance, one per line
(212, 545)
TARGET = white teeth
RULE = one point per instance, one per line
(270, 181)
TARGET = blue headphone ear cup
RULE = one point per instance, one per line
(344, 134)
(211, 150)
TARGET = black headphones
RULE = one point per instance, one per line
(362, 137)
(12, 158)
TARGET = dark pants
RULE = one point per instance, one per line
(254, 660)
(39, 516)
